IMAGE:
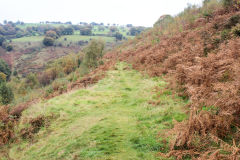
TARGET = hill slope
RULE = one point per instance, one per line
(120, 117)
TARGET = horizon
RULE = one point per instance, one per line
(138, 13)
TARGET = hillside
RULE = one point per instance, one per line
(199, 56)
(172, 92)
(28, 54)
(109, 120)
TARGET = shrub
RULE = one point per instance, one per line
(6, 94)
(86, 30)
(232, 21)
(236, 30)
(93, 52)
(2, 39)
(9, 48)
(48, 41)
(118, 36)
(49, 91)
(51, 34)
(225, 34)
(4, 68)
(31, 80)
(230, 3)
(15, 73)
(59, 85)
(3, 77)
(47, 76)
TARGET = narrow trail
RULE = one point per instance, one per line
(113, 120)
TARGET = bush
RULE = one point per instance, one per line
(6, 94)
(230, 3)
(86, 30)
(51, 34)
(31, 81)
(4, 68)
(47, 76)
(118, 36)
(93, 52)
(3, 77)
(236, 30)
(225, 34)
(2, 39)
(232, 21)
(48, 41)
(49, 91)
(59, 85)
(9, 48)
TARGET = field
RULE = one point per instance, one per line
(107, 121)
(30, 55)
(28, 39)
(70, 38)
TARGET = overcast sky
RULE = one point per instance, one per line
(136, 12)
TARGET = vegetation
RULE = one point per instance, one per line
(109, 120)
(2, 39)
(118, 36)
(94, 51)
(4, 68)
(86, 30)
(6, 94)
(48, 41)
(196, 51)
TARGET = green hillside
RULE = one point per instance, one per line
(120, 117)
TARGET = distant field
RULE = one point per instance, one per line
(29, 39)
(76, 38)
(70, 38)
(94, 31)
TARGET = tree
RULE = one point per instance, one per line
(4, 68)
(129, 25)
(118, 36)
(51, 34)
(93, 52)
(164, 21)
(101, 28)
(113, 29)
(67, 31)
(6, 94)
(48, 41)
(136, 30)
(9, 48)
(86, 30)
(31, 80)
(2, 39)
(3, 77)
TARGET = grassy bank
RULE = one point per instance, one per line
(115, 119)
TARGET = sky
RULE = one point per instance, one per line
(136, 12)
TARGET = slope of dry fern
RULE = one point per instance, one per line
(202, 63)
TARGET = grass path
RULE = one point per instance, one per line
(111, 120)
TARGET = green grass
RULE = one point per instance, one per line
(70, 38)
(76, 38)
(29, 39)
(111, 120)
